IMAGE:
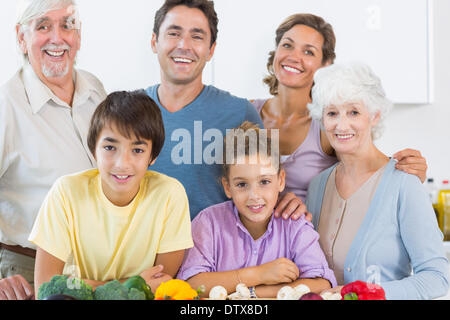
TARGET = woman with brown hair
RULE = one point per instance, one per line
(305, 43)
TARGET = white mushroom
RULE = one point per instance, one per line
(285, 293)
(331, 296)
(300, 290)
(218, 293)
(243, 291)
(234, 296)
(289, 293)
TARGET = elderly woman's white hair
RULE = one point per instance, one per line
(28, 10)
(349, 83)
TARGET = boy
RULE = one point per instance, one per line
(239, 241)
(119, 220)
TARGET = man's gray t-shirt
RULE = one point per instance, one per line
(192, 151)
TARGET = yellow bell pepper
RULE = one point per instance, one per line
(175, 289)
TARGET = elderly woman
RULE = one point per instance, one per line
(376, 223)
(304, 44)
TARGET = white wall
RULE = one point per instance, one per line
(427, 127)
(9, 55)
(377, 32)
(424, 127)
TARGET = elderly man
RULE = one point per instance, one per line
(45, 111)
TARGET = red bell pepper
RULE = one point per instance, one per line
(360, 290)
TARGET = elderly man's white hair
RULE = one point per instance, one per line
(349, 83)
(28, 10)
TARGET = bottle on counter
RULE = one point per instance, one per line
(443, 207)
(433, 192)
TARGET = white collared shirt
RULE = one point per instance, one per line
(41, 139)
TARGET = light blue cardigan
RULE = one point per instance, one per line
(398, 234)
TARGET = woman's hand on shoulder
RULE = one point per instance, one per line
(411, 161)
(291, 206)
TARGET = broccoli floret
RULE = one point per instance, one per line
(61, 284)
(136, 294)
(137, 282)
(114, 290)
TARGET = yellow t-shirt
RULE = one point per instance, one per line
(78, 224)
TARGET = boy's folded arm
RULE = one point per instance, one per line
(171, 261)
(320, 271)
(46, 267)
(250, 276)
(308, 255)
(166, 267)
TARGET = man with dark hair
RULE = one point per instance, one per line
(207, 7)
(196, 116)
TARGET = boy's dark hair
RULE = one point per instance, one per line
(206, 6)
(133, 113)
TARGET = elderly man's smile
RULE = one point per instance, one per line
(56, 54)
(56, 51)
